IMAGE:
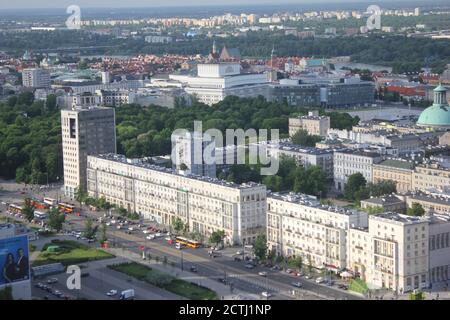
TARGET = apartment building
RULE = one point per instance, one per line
(118, 97)
(397, 170)
(429, 202)
(431, 176)
(36, 78)
(298, 225)
(348, 162)
(389, 203)
(392, 252)
(305, 156)
(312, 123)
(85, 131)
(161, 194)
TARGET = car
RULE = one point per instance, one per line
(276, 268)
(222, 280)
(56, 293)
(146, 231)
(168, 238)
(111, 293)
(150, 237)
(263, 274)
(239, 253)
(119, 227)
(108, 224)
(38, 285)
(236, 258)
(329, 283)
(131, 228)
(193, 269)
(158, 235)
(91, 240)
(288, 271)
(320, 280)
(52, 281)
(308, 277)
(266, 294)
(343, 287)
(249, 266)
(297, 284)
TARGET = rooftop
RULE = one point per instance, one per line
(311, 201)
(286, 146)
(389, 199)
(400, 164)
(398, 218)
(141, 164)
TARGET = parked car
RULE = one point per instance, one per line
(297, 284)
(52, 281)
(249, 266)
(146, 231)
(236, 258)
(193, 269)
(150, 237)
(343, 287)
(266, 294)
(288, 271)
(239, 252)
(320, 280)
(308, 277)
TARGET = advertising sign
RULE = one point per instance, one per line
(14, 259)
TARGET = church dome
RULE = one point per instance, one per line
(438, 115)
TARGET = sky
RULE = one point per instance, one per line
(24, 4)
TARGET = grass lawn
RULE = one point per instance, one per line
(358, 285)
(70, 252)
(165, 281)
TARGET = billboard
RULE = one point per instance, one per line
(14, 259)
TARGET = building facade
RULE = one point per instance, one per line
(348, 162)
(35, 78)
(399, 171)
(298, 225)
(204, 204)
(85, 131)
(313, 123)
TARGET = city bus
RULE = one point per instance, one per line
(188, 243)
(39, 205)
(50, 201)
(14, 208)
(38, 215)
(66, 207)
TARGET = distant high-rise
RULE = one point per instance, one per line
(35, 78)
(85, 131)
(106, 77)
(188, 152)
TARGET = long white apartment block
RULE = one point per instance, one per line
(205, 204)
(298, 225)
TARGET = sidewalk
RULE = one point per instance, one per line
(222, 290)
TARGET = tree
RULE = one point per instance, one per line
(104, 237)
(56, 219)
(302, 138)
(89, 229)
(28, 210)
(178, 225)
(354, 184)
(261, 247)
(416, 210)
(80, 195)
(217, 237)
(50, 103)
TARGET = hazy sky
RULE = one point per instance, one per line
(5, 4)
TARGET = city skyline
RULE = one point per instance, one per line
(28, 4)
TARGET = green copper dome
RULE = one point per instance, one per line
(438, 115)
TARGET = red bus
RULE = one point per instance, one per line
(39, 205)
